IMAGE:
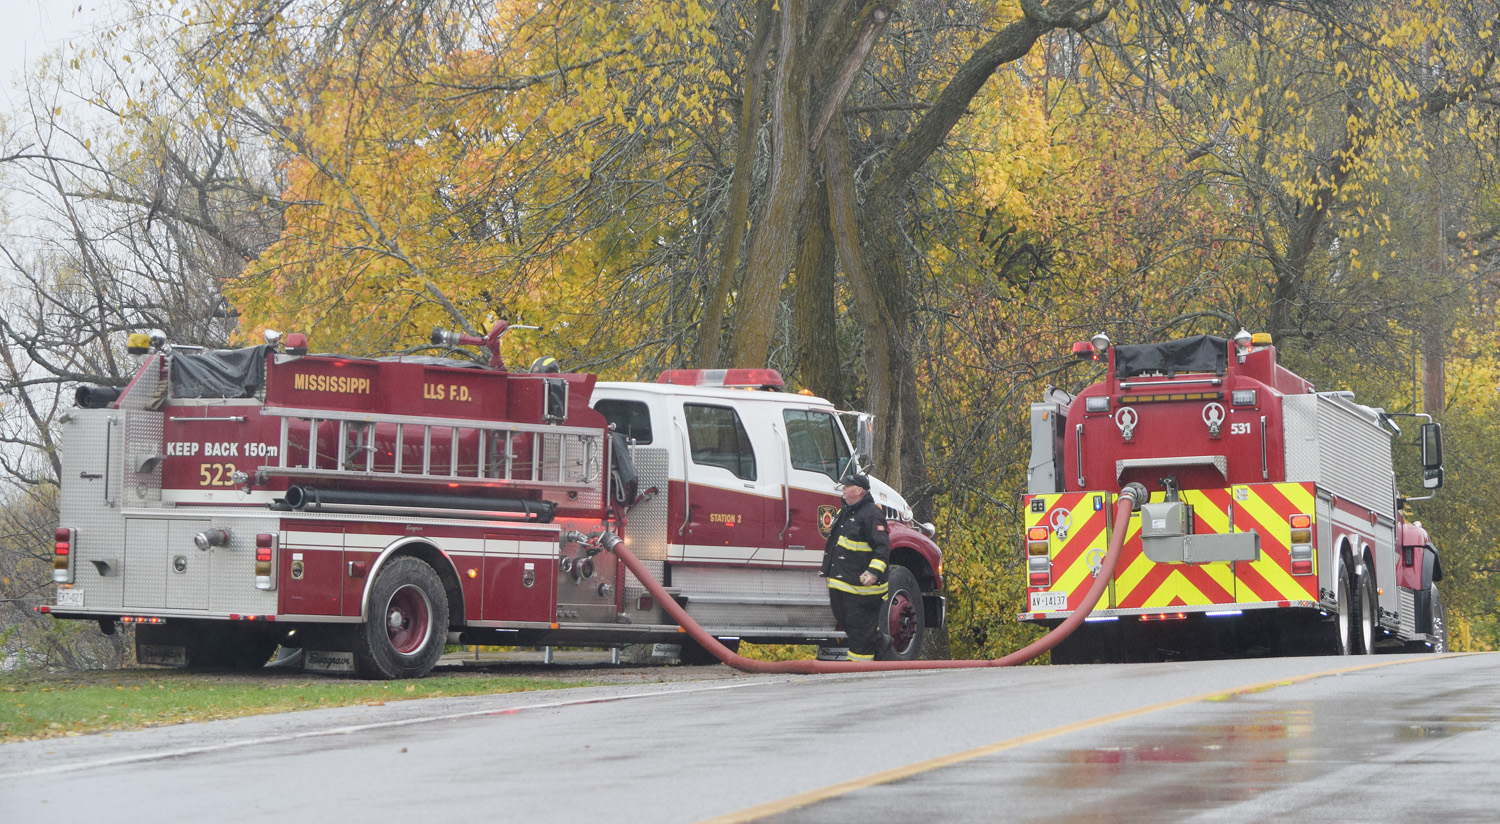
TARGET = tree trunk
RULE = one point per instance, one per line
(880, 387)
(774, 248)
(814, 314)
(737, 215)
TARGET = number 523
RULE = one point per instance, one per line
(216, 474)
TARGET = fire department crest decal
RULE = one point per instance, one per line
(826, 516)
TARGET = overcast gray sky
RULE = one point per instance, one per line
(31, 28)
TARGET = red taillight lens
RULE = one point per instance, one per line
(62, 556)
(265, 561)
(1301, 521)
(1302, 567)
(1036, 533)
(1040, 579)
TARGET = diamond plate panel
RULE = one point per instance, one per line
(232, 582)
(735, 596)
(142, 458)
(189, 570)
(739, 617)
(146, 563)
(646, 536)
(100, 528)
(1299, 418)
(149, 389)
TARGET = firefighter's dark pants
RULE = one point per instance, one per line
(859, 615)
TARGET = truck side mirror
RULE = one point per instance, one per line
(1432, 455)
(864, 440)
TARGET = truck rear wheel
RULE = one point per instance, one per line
(904, 620)
(1367, 615)
(1439, 622)
(1335, 636)
(408, 623)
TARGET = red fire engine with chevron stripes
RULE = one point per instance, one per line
(1275, 525)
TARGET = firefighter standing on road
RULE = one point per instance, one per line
(854, 562)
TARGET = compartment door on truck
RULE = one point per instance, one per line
(731, 501)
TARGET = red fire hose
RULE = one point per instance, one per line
(1127, 502)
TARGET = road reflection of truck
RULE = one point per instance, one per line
(1275, 524)
(228, 502)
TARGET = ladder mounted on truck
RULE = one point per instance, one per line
(446, 451)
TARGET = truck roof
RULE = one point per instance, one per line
(709, 393)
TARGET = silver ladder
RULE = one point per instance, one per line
(567, 458)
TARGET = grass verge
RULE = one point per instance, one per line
(49, 705)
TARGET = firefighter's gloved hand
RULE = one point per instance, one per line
(867, 578)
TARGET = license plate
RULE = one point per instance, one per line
(1048, 601)
(70, 598)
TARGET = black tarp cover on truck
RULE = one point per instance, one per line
(219, 373)
(1201, 353)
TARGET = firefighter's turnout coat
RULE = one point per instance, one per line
(858, 542)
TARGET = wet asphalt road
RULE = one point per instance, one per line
(1379, 739)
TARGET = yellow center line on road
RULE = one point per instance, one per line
(793, 802)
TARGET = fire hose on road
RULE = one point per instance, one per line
(1130, 499)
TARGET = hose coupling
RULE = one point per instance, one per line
(1137, 494)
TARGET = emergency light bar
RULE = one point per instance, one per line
(1174, 396)
(727, 378)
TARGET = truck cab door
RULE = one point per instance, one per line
(816, 455)
(732, 508)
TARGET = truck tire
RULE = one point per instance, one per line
(1367, 614)
(1335, 636)
(904, 620)
(1439, 622)
(408, 622)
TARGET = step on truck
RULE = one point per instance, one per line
(368, 511)
(1274, 525)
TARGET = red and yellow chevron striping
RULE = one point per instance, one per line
(1143, 584)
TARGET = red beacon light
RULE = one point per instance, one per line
(768, 379)
(1093, 348)
(294, 343)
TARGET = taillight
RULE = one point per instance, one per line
(1301, 544)
(265, 561)
(1038, 565)
(62, 555)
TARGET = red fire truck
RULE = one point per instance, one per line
(1274, 523)
(369, 511)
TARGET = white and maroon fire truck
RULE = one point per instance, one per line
(368, 511)
(1274, 523)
